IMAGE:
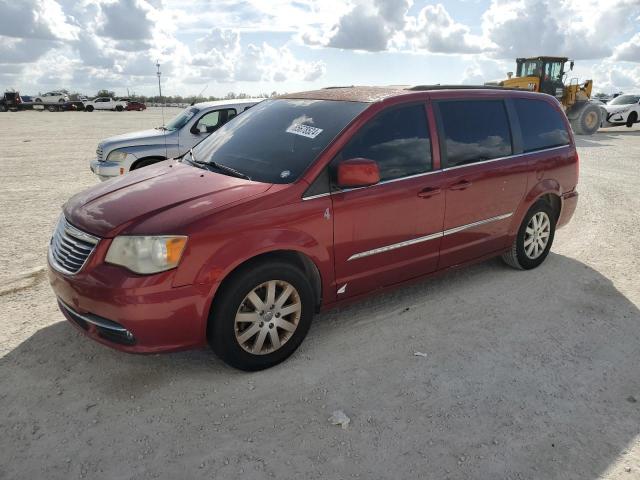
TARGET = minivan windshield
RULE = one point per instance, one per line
(276, 140)
(625, 100)
(181, 119)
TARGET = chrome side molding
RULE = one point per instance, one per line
(427, 238)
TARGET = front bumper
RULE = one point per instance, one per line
(133, 313)
(106, 170)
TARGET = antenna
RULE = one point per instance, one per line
(198, 96)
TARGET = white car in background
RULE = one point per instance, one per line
(52, 97)
(622, 110)
(104, 103)
(118, 155)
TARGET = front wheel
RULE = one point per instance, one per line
(535, 236)
(88, 108)
(3, 107)
(119, 108)
(633, 118)
(52, 108)
(261, 316)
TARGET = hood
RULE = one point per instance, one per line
(617, 108)
(134, 138)
(110, 207)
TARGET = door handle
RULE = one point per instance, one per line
(429, 192)
(461, 185)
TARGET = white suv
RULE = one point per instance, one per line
(52, 97)
(622, 110)
(118, 155)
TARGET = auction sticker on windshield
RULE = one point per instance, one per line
(304, 130)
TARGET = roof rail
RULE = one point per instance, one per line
(420, 88)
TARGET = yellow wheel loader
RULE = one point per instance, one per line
(547, 75)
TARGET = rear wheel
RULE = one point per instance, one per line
(633, 118)
(119, 108)
(534, 239)
(3, 107)
(588, 120)
(38, 100)
(88, 108)
(61, 100)
(261, 315)
(52, 108)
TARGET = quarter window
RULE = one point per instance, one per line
(398, 139)
(542, 125)
(474, 131)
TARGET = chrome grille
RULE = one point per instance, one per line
(70, 248)
(99, 153)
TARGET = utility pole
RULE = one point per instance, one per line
(159, 73)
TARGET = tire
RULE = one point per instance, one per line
(518, 255)
(88, 108)
(38, 100)
(61, 100)
(52, 108)
(631, 119)
(588, 120)
(225, 332)
(3, 107)
(119, 108)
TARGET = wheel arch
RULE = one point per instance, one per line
(548, 190)
(292, 256)
(139, 161)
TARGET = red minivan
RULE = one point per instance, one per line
(306, 201)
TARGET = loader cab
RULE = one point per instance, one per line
(549, 71)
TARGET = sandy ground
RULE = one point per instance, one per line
(527, 375)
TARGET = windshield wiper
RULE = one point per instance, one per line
(218, 166)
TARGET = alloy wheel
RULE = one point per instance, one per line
(536, 235)
(268, 317)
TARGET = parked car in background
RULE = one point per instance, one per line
(307, 201)
(104, 103)
(52, 97)
(117, 155)
(11, 101)
(623, 110)
(135, 105)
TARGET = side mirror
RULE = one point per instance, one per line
(358, 172)
(571, 65)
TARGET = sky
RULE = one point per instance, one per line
(256, 46)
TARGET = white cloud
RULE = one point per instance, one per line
(629, 51)
(580, 29)
(435, 31)
(361, 29)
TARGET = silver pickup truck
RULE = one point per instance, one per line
(117, 155)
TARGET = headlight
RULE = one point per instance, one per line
(146, 254)
(116, 156)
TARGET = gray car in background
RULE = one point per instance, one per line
(118, 155)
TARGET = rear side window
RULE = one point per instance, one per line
(397, 139)
(474, 131)
(542, 125)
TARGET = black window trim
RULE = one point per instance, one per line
(442, 137)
